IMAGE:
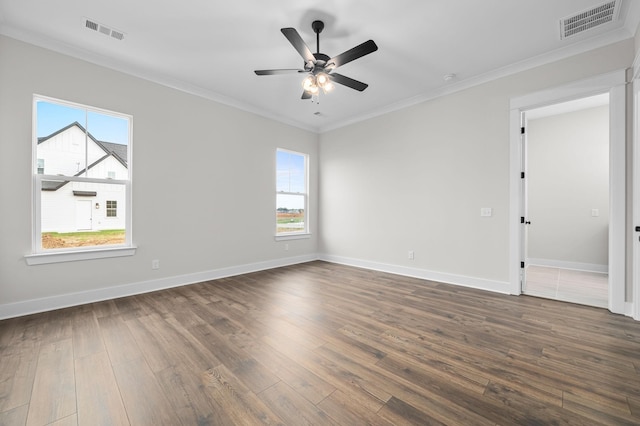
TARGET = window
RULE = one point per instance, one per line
(291, 193)
(84, 149)
(112, 208)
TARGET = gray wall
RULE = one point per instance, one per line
(203, 178)
(568, 176)
(416, 179)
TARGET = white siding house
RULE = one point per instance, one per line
(81, 206)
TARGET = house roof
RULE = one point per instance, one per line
(119, 151)
(54, 185)
(115, 150)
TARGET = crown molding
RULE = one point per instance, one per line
(39, 40)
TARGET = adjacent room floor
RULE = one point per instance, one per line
(568, 285)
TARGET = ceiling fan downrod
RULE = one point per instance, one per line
(317, 27)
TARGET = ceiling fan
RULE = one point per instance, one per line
(319, 66)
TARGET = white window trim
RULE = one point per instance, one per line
(305, 233)
(38, 255)
(298, 236)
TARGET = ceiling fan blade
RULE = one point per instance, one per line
(352, 54)
(294, 38)
(306, 95)
(349, 82)
(275, 72)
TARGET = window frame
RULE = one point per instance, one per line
(113, 209)
(38, 254)
(304, 233)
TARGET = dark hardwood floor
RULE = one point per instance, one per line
(324, 344)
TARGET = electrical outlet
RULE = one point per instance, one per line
(411, 255)
(486, 212)
(286, 247)
(155, 264)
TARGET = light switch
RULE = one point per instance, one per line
(595, 212)
(485, 212)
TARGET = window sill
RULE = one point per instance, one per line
(73, 256)
(285, 237)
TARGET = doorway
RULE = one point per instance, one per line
(566, 201)
(612, 84)
(83, 215)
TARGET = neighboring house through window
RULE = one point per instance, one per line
(86, 152)
(292, 203)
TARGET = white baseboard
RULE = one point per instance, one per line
(33, 306)
(628, 311)
(461, 280)
(578, 266)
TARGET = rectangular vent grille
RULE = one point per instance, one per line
(91, 25)
(588, 19)
(103, 29)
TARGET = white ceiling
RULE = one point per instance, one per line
(211, 48)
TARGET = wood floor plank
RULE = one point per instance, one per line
(71, 420)
(242, 405)
(398, 412)
(328, 371)
(153, 344)
(15, 416)
(144, 400)
(184, 390)
(344, 411)
(303, 381)
(54, 392)
(17, 372)
(99, 400)
(292, 408)
(118, 340)
(87, 338)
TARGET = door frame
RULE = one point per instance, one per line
(635, 250)
(614, 84)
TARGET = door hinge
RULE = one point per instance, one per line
(521, 175)
(521, 219)
(522, 130)
(522, 265)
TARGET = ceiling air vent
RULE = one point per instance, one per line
(91, 25)
(590, 18)
(103, 29)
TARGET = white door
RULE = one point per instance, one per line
(83, 215)
(524, 218)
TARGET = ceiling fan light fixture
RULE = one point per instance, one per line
(309, 83)
(322, 79)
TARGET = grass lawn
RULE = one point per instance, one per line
(82, 239)
(284, 219)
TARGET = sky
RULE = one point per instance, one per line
(290, 177)
(53, 117)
